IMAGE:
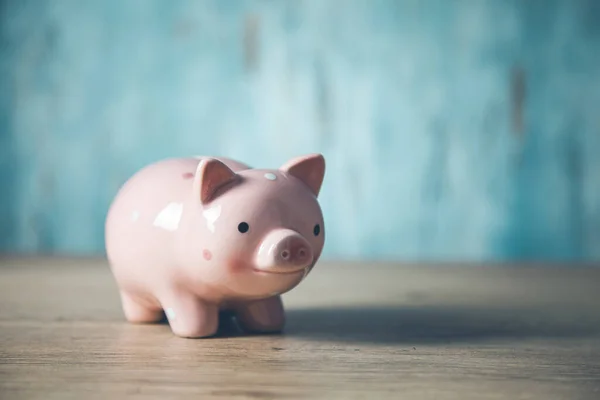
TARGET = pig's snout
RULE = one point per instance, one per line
(283, 251)
(294, 251)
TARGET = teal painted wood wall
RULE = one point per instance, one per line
(453, 130)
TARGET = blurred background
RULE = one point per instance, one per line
(453, 130)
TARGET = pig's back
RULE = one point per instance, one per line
(144, 216)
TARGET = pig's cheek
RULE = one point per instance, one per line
(237, 266)
(317, 248)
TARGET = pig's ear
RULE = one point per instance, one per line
(310, 169)
(211, 176)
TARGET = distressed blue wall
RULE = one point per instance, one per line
(453, 130)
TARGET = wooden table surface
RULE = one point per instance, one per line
(372, 331)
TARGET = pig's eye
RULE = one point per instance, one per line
(243, 227)
(317, 229)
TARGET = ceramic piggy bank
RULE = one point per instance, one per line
(191, 237)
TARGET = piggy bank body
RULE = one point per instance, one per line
(190, 237)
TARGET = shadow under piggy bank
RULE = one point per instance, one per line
(393, 325)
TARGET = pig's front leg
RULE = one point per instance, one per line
(261, 316)
(189, 316)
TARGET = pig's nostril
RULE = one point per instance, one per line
(285, 254)
(301, 253)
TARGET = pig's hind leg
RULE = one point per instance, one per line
(139, 312)
(261, 316)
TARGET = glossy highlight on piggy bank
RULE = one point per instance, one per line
(191, 237)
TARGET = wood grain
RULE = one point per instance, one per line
(370, 331)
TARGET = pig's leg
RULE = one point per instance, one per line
(138, 313)
(189, 316)
(261, 316)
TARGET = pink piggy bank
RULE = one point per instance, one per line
(192, 237)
